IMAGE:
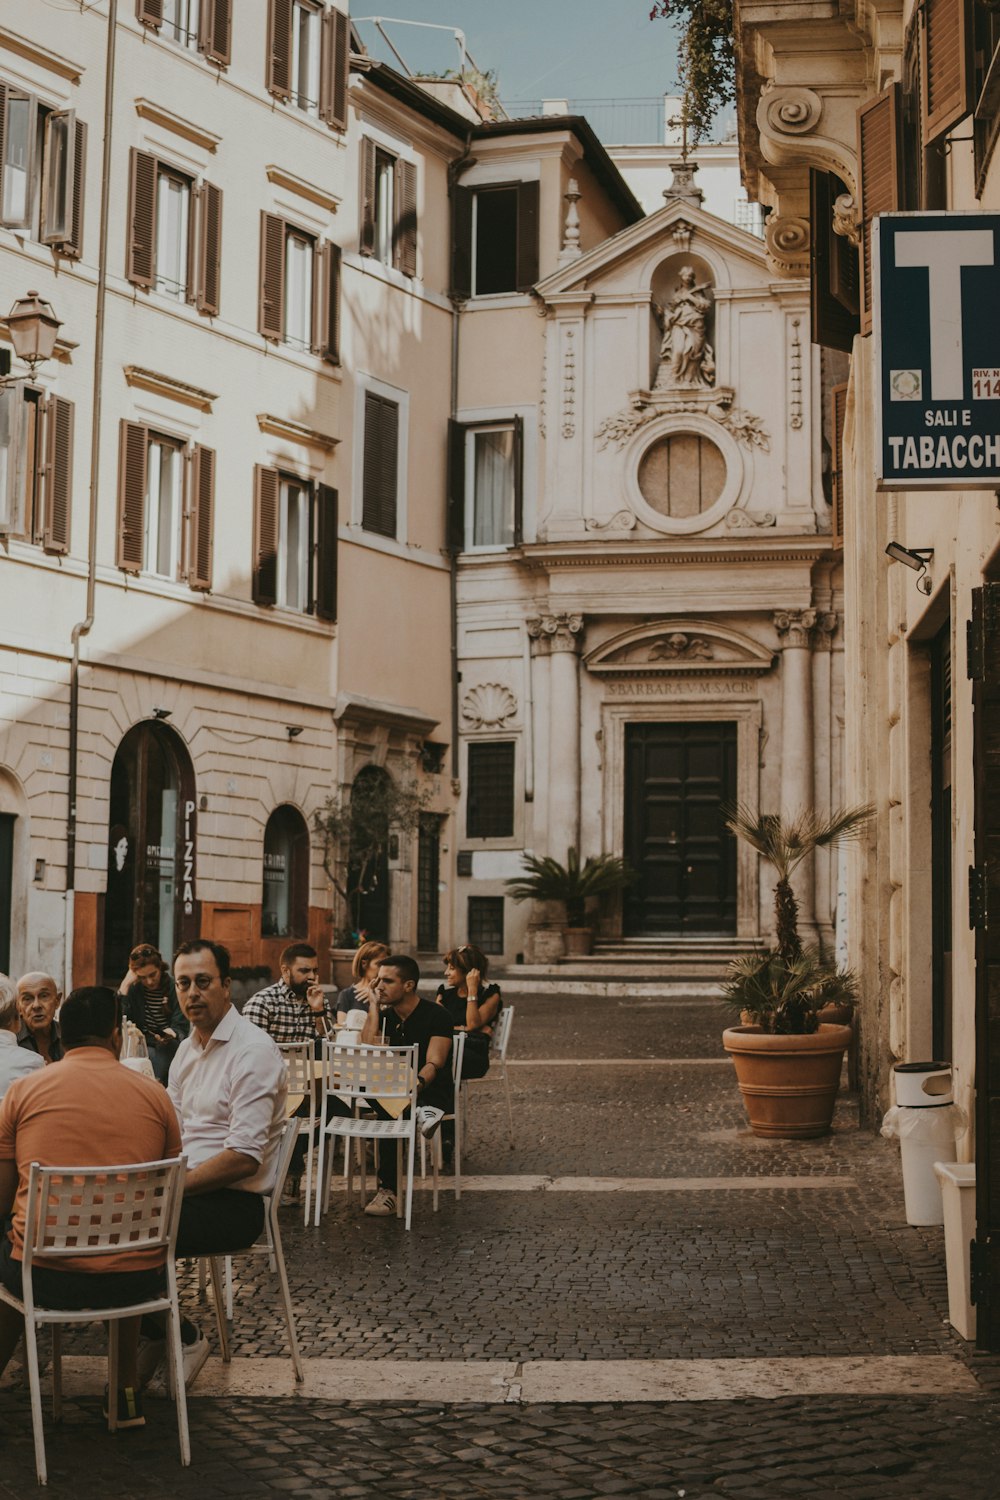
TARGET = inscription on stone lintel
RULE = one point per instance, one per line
(687, 687)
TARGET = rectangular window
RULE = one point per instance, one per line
(36, 455)
(380, 486)
(19, 140)
(385, 172)
(299, 252)
(293, 545)
(494, 213)
(42, 156)
(173, 209)
(495, 239)
(485, 923)
(491, 481)
(306, 48)
(164, 508)
(299, 293)
(180, 22)
(388, 208)
(490, 799)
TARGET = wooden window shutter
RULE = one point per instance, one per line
(879, 161)
(73, 246)
(58, 473)
(326, 552)
(209, 258)
(132, 465)
(366, 243)
(404, 234)
(215, 28)
(527, 235)
(139, 252)
(201, 518)
(271, 312)
(833, 270)
(326, 295)
(455, 527)
(518, 481)
(279, 48)
(150, 13)
(381, 455)
(946, 66)
(838, 400)
(335, 62)
(266, 498)
(461, 242)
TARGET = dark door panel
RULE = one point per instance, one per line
(677, 778)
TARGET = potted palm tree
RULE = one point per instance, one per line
(568, 888)
(787, 1056)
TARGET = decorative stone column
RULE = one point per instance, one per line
(825, 792)
(797, 745)
(541, 695)
(563, 633)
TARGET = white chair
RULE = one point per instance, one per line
(437, 1156)
(352, 1074)
(270, 1246)
(86, 1211)
(499, 1042)
(301, 1057)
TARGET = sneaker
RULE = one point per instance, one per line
(130, 1412)
(428, 1119)
(383, 1204)
(151, 1358)
(194, 1357)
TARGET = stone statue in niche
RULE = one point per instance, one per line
(686, 356)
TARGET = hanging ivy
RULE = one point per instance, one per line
(707, 56)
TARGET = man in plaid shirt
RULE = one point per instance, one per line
(295, 1010)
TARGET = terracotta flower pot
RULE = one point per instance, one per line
(341, 961)
(789, 1083)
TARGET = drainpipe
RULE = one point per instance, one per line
(455, 170)
(83, 627)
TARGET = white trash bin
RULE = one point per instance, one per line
(958, 1196)
(927, 1124)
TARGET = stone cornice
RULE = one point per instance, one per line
(157, 114)
(296, 432)
(52, 62)
(166, 385)
(301, 188)
(557, 555)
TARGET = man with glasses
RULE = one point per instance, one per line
(228, 1084)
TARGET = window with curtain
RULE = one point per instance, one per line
(491, 481)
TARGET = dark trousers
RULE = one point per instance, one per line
(75, 1290)
(219, 1223)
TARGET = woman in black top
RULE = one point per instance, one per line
(472, 1004)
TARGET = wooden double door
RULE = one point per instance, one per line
(678, 778)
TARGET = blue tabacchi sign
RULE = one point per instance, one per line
(936, 326)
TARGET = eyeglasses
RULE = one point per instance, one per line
(199, 982)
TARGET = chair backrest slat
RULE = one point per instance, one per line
(79, 1211)
(386, 1072)
(300, 1057)
(501, 1034)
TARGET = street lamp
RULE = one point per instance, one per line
(33, 328)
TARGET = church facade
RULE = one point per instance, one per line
(657, 633)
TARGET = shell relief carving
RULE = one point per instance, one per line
(488, 706)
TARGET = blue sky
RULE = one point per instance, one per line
(576, 49)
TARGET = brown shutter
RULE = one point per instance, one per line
(209, 258)
(527, 235)
(381, 457)
(3, 124)
(139, 251)
(279, 48)
(150, 13)
(461, 242)
(266, 496)
(404, 232)
(946, 66)
(326, 303)
(271, 313)
(326, 552)
(833, 269)
(201, 518)
(58, 473)
(879, 163)
(132, 463)
(335, 64)
(367, 236)
(73, 247)
(518, 480)
(455, 527)
(215, 27)
(838, 401)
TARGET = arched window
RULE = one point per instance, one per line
(151, 847)
(285, 902)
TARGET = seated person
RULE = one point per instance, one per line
(38, 998)
(407, 1019)
(149, 1001)
(472, 1004)
(85, 1109)
(228, 1086)
(364, 968)
(15, 1061)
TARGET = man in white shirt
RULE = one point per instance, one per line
(15, 1062)
(228, 1085)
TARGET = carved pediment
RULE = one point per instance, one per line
(685, 646)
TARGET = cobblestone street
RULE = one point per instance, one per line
(637, 1224)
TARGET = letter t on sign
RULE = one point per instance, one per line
(944, 254)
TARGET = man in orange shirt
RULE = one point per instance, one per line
(84, 1111)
